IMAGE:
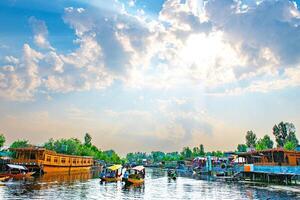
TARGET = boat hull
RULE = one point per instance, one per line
(17, 176)
(106, 179)
(51, 169)
(132, 181)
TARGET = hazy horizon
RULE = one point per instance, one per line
(141, 75)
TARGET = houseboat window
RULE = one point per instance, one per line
(55, 159)
(77, 161)
(298, 161)
(63, 160)
(74, 161)
(32, 156)
(48, 158)
(278, 157)
(286, 159)
(41, 155)
(81, 161)
(84, 161)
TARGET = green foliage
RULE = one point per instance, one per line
(198, 151)
(251, 139)
(290, 145)
(285, 132)
(2, 140)
(242, 148)
(202, 152)
(187, 152)
(215, 153)
(264, 143)
(20, 144)
(73, 146)
(157, 156)
(87, 140)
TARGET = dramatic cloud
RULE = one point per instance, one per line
(201, 43)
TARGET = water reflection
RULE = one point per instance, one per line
(86, 185)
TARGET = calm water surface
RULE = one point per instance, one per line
(157, 186)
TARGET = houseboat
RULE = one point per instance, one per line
(265, 165)
(45, 161)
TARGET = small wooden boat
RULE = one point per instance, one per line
(16, 171)
(4, 178)
(111, 174)
(134, 176)
(172, 174)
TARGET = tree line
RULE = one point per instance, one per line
(159, 156)
(285, 137)
(284, 133)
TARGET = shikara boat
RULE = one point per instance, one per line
(134, 176)
(15, 171)
(111, 174)
(4, 178)
(172, 174)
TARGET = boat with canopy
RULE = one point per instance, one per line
(111, 174)
(15, 171)
(135, 175)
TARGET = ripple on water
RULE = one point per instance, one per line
(157, 186)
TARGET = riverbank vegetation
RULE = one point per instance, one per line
(284, 134)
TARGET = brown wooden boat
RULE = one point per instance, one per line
(15, 171)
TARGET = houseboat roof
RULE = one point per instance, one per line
(48, 151)
(267, 151)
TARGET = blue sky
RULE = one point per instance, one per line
(148, 75)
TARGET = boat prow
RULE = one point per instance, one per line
(4, 178)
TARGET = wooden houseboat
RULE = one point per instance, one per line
(272, 157)
(277, 165)
(45, 161)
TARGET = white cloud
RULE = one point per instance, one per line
(40, 33)
(11, 60)
(199, 43)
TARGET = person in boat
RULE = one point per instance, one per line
(172, 174)
(126, 175)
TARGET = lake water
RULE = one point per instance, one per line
(157, 186)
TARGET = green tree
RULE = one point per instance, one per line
(50, 144)
(284, 132)
(196, 151)
(2, 140)
(20, 144)
(242, 148)
(251, 139)
(187, 152)
(87, 139)
(264, 143)
(290, 145)
(157, 156)
(202, 152)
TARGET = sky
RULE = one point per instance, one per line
(141, 75)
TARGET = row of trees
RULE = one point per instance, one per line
(72, 146)
(284, 133)
(159, 156)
